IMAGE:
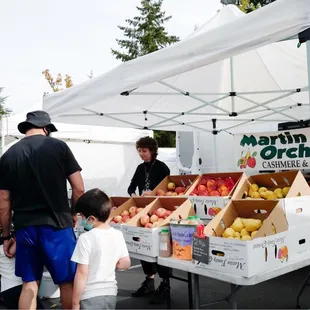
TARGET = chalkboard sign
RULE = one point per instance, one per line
(201, 250)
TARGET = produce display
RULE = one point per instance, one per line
(213, 187)
(242, 229)
(256, 192)
(126, 215)
(154, 219)
(172, 190)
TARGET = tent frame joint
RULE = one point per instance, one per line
(233, 114)
(232, 94)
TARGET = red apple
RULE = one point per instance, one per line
(211, 182)
(125, 218)
(144, 219)
(160, 212)
(139, 209)
(117, 219)
(149, 225)
(171, 186)
(174, 194)
(160, 220)
(201, 188)
(168, 212)
(131, 215)
(125, 212)
(160, 192)
(179, 189)
(133, 209)
(154, 218)
(215, 193)
(203, 193)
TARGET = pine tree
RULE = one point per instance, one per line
(3, 111)
(146, 34)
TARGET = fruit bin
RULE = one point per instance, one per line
(268, 249)
(206, 206)
(118, 201)
(145, 241)
(136, 202)
(293, 181)
(182, 184)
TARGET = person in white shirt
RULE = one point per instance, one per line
(11, 286)
(98, 252)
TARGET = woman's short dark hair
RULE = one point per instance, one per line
(96, 203)
(148, 143)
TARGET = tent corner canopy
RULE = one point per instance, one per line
(107, 100)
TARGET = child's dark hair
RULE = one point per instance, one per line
(96, 203)
(148, 143)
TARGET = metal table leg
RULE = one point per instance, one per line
(196, 293)
(169, 295)
(306, 283)
(233, 297)
(190, 290)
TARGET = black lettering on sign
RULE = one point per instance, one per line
(201, 250)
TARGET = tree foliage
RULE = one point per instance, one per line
(3, 110)
(146, 34)
(57, 83)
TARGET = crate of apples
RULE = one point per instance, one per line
(126, 215)
(172, 190)
(154, 219)
(213, 187)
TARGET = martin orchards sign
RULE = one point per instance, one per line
(288, 149)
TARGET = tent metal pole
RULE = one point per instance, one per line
(308, 62)
(267, 108)
(232, 84)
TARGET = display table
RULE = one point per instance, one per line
(143, 257)
(235, 281)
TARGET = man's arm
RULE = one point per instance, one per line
(5, 222)
(77, 185)
(5, 212)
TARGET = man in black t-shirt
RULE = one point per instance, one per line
(33, 184)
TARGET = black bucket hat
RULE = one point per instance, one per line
(38, 119)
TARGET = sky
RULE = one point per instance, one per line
(72, 37)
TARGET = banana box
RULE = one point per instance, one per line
(255, 238)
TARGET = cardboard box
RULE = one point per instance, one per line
(247, 258)
(180, 181)
(118, 201)
(293, 179)
(139, 202)
(145, 241)
(206, 207)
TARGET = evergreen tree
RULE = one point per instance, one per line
(146, 34)
(3, 110)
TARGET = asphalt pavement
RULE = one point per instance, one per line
(279, 293)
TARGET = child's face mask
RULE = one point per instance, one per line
(86, 225)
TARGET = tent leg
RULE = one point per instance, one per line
(308, 61)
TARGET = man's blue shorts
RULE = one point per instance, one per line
(39, 246)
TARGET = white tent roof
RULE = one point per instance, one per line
(78, 132)
(185, 86)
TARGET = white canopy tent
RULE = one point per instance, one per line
(107, 156)
(231, 70)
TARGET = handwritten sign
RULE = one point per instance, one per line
(201, 250)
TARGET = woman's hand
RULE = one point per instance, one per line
(146, 193)
(133, 195)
